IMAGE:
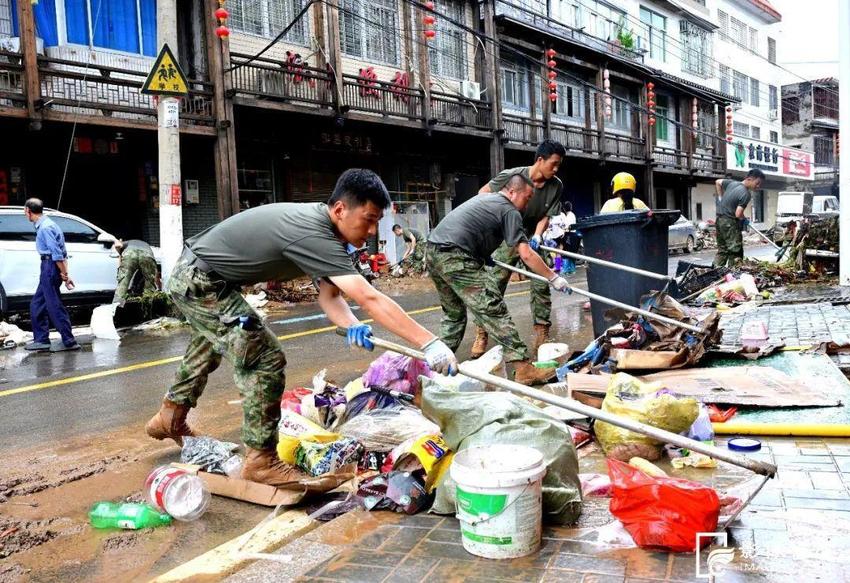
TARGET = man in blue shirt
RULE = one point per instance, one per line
(46, 307)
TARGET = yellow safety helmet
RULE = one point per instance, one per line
(623, 181)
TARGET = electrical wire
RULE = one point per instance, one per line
(274, 41)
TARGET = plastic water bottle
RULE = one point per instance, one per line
(129, 515)
(177, 492)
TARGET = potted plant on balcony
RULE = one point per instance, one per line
(625, 38)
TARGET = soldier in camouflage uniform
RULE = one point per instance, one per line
(267, 243)
(545, 203)
(458, 249)
(136, 263)
(733, 198)
(414, 252)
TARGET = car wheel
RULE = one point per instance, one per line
(689, 245)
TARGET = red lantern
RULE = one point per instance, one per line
(429, 34)
(551, 64)
(222, 32)
(552, 86)
(429, 5)
(652, 121)
(222, 14)
(553, 97)
(551, 53)
(552, 75)
(429, 20)
(650, 85)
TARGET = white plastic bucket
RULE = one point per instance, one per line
(552, 351)
(499, 499)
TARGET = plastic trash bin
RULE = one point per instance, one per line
(633, 238)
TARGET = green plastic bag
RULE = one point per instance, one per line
(473, 419)
(647, 403)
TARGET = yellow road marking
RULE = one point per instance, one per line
(172, 359)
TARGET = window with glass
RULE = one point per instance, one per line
(741, 129)
(5, 18)
(570, 102)
(122, 25)
(774, 137)
(369, 30)
(621, 115)
(754, 92)
(738, 31)
(656, 31)
(448, 49)
(696, 49)
(662, 112)
(266, 18)
(755, 132)
(725, 79)
(771, 50)
(515, 86)
(740, 86)
(773, 97)
(597, 18)
(753, 44)
(723, 21)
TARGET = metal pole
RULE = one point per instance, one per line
(168, 134)
(765, 237)
(627, 268)
(756, 466)
(844, 153)
(605, 300)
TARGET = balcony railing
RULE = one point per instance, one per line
(11, 80)
(708, 163)
(575, 138)
(670, 158)
(523, 130)
(458, 111)
(383, 99)
(281, 81)
(624, 146)
(70, 86)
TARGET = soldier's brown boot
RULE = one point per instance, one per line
(541, 336)
(526, 373)
(170, 422)
(263, 466)
(479, 347)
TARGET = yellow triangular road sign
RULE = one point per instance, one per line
(166, 77)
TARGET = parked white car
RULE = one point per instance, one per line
(92, 261)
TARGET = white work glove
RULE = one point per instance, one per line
(559, 283)
(535, 242)
(439, 358)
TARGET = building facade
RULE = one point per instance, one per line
(275, 116)
(810, 122)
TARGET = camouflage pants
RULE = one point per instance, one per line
(730, 242)
(213, 309)
(541, 296)
(461, 282)
(135, 261)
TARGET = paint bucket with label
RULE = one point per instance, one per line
(499, 499)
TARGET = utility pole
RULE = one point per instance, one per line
(844, 153)
(168, 134)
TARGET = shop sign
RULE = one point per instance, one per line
(744, 154)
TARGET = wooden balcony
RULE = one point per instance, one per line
(670, 158)
(624, 147)
(12, 100)
(70, 89)
(457, 111)
(277, 81)
(382, 99)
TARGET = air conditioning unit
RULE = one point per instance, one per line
(773, 114)
(470, 89)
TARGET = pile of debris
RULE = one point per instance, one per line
(296, 291)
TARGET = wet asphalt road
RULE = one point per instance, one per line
(79, 405)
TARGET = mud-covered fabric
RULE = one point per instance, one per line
(730, 242)
(461, 283)
(213, 309)
(541, 295)
(134, 261)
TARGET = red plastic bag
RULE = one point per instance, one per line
(662, 513)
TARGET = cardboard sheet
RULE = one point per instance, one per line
(736, 385)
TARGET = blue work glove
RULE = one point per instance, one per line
(360, 334)
(549, 243)
(745, 224)
(535, 242)
(439, 358)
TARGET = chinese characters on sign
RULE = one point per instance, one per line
(166, 77)
(345, 142)
(744, 155)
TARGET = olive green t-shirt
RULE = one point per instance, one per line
(479, 226)
(272, 242)
(546, 201)
(410, 234)
(735, 194)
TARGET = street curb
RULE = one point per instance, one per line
(231, 556)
